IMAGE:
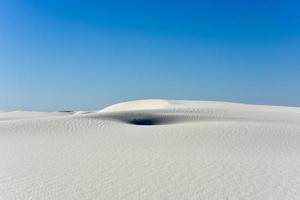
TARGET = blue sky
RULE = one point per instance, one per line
(81, 55)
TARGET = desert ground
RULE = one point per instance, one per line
(152, 149)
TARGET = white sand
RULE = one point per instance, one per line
(192, 150)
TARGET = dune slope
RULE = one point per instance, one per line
(152, 149)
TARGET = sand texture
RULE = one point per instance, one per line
(152, 149)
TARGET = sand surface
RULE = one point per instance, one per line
(152, 149)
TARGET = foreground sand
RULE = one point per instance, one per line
(152, 149)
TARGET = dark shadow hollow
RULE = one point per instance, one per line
(144, 121)
(66, 111)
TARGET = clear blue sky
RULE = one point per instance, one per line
(80, 55)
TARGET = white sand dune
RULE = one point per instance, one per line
(152, 149)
